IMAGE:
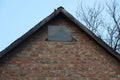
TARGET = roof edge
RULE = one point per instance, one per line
(31, 31)
(47, 19)
(92, 35)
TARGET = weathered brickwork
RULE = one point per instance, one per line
(38, 59)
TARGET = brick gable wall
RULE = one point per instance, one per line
(38, 59)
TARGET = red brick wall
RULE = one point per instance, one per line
(37, 59)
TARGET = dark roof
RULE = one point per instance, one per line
(70, 17)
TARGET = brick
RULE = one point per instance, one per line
(37, 59)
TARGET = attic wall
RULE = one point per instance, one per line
(38, 59)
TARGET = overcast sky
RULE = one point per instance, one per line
(18, 16)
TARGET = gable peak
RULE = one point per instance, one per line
(60, 7)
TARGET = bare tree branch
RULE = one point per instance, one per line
(93, 18)
(114, 27)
